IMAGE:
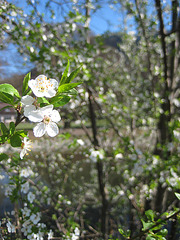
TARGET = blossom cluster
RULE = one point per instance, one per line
(45, 117)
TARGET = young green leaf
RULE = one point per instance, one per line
(6, 98)
(3, 139)
(42, 100)
(68, 86)
(150, 215)
(73, 75)
(65, 74)
(25, 84)
(8, 88)
(11, 128)
(3, 156)
(177, 195)
(61, 101)
(4, 129)
(146, 225)
(15, 140)
(22, 133)
(72, 91)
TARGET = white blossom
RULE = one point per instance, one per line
(95, 154)
(47, 118)
(31, 197)
(43, 87)
(11, 228)
(26, 212)
(80, 142)
(35, 218)
(25, 187)
(26, 172)
(26, 147)
(29, 104)
(50, 234)
(118, 156)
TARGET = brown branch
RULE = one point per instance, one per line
(162, 35)
(145, 38)
(83, 127)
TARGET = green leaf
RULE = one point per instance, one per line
(73, 75)
(64, 76)
(60, 100)
(72, 92)
(149, 237)
(6, 98)
(68, 86)
(146, 225)
(11, 128)
(22, 133)
(4, 129)
(3, 156)
(8, 88)
(3, 139)
(177, 195)
(15, 140)
(25, 84)
(150, 215)
(42, 100)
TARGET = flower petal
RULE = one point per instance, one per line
(41, 78)
(47, 110)
(52, 129)
(55, 116)
(27, 100)
(22, 153)
(32, 83)
(35, 116)
(50, 93)
(54, 82)
(39, 130)
(28, 110)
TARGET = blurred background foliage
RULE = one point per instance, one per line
(118, 152)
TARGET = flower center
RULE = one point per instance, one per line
(46, 119)
(42, 89)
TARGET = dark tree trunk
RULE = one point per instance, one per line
(104, 209)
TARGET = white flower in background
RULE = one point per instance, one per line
(29, 103)
(37, 236)
(11, 228)
(35, 218)
(47, 118)
(25, 187)
(80, 142)
(50, 234)
(26, 212)
(95, 154)
(26, 172)
(9, 189)
(176, 134)
(26, 227)
(75, 235)
(170, 146)
(26, 147)
(43, 87)
(119, 156)
(31, 197)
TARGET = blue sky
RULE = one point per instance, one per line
(104, 19)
